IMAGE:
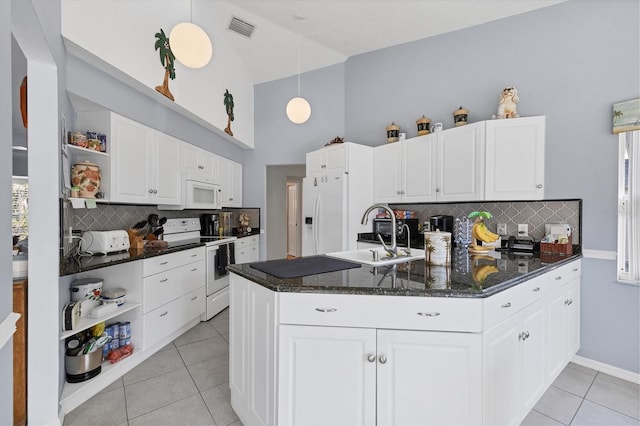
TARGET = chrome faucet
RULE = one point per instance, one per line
(407, 250)
(393, 250)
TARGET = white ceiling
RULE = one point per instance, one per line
(342, 28)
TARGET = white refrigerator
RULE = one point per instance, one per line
(332, 208)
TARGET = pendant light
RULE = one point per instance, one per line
(298, 109)
(190, 44)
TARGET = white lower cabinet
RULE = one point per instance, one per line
(563, 327)
(247, 249)
(307, 395)
(514, 366)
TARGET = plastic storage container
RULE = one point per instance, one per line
(115, 295)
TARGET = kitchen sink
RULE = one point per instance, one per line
(366, 256)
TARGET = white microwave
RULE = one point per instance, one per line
(198, 195)
(201, 195)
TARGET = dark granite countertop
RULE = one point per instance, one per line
(76, 264)
(417, 279)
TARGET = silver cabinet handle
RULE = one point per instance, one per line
(165, 280)
(568, 302)
(575, 269)
(398, 192)
(506, 305)
(536, 289)
(437, 189)
(326, 310)
(371, 358)
(539, 186)
(559, 277)
(382, 359)
(194, 269)
(429, 314)
(194, 298)
(523, 336)
(164, 263)
(151, 191)
(201, 167)
(165, 313)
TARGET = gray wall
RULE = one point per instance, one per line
(6, 289)
(280, 142)
(276, 223)
(570, 62)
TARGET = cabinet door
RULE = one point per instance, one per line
(131, 161)
(461, 163)
(573, 318)
(556, 334)
(336, 158)
(327, 376)
(166, 167)
(515, 159)
(223, 179)
(429, 378)
(533, 346)
(315, 162)
(419, 169)
(235, 184)
(387, 173)
(502, 373)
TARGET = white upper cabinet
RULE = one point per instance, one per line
(515, 159)
(329, 158)
(230, 180)
(198, 164)
(405, 171)
(461, 163)
(144, 164)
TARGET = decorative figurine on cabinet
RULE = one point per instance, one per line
(507, 105)
(228, 104)
(167, 59)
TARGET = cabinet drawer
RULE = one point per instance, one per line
(161, 322)
(169, 261)
(246, 241)
(503, 305)
(396, 312)
(166, 286)
(563, 275)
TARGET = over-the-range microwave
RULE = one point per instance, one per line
(198, 195)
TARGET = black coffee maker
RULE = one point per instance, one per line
(209, 224)
(442, 222)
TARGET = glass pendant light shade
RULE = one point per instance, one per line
(298, 110)
(191, 45)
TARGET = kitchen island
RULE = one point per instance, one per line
(475, 343)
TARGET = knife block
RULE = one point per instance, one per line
(135, 240)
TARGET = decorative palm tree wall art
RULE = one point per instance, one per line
(167, 60)
(228, 104)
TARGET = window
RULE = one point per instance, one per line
(629, 207)
(19, 207)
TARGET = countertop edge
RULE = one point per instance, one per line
(403, 292)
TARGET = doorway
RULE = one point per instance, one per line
(293, 219)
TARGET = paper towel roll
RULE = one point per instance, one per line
(437, 248)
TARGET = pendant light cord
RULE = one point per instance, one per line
(299, 42)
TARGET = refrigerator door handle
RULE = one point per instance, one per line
(316, 217)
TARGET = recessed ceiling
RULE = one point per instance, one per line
(351, 27)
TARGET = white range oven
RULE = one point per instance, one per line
(220, 252)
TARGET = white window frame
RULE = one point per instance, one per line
(629, 208)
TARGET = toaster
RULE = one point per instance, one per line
(104, 242)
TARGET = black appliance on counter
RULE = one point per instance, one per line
(209, 224)
(442, 222)
(383, 227)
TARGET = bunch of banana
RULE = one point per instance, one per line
(480, 273)
(480, 232)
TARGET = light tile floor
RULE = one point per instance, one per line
(186, 383)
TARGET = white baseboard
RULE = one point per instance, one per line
(629, 376)
(599, 254)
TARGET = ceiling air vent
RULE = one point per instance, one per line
(241, 27)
